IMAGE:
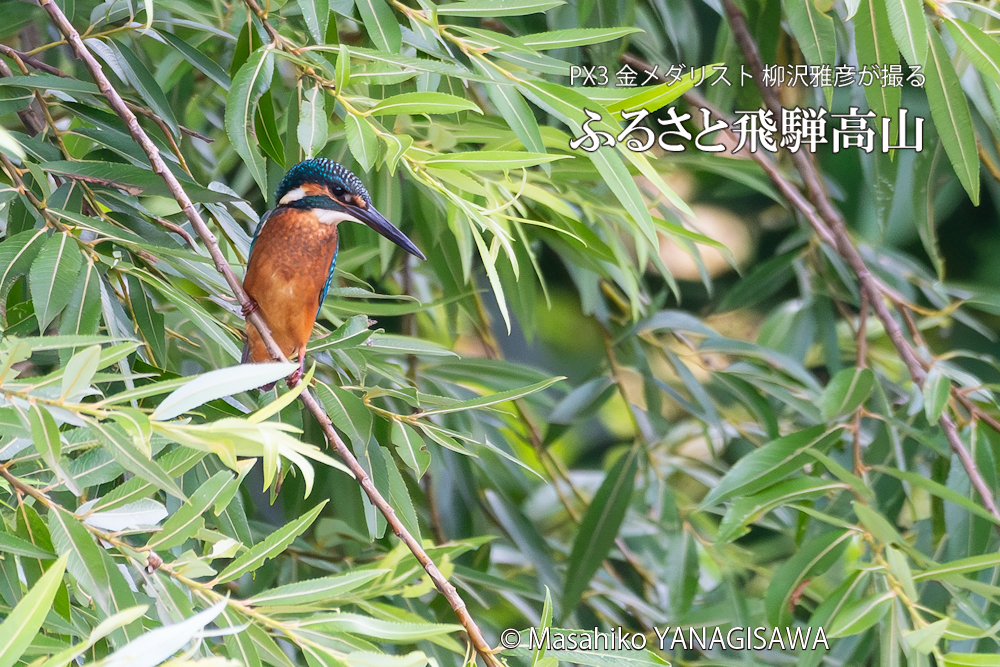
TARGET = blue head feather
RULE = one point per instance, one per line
(323, 171)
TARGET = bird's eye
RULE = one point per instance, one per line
(338, 191)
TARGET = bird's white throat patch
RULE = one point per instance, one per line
(328, 217)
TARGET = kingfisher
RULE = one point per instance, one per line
(294, 252)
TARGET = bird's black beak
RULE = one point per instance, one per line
(368, 215)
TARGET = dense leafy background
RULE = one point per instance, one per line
(588, 416)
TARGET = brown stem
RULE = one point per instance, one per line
(861, 361)
(192, 214)
(831, 226)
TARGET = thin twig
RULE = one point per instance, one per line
(831, 224)
(860, 361)
(192, 214)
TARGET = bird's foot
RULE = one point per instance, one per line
(294, 378)
(249, 307)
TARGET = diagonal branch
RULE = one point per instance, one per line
(830, 225)
(206, 235)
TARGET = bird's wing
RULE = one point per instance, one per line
(329, 276)
(260, 225)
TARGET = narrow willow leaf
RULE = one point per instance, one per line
(857, 617)
(317, 16)
(410, 447)
(15, 545)
(744, 511)
(493, 399)
(380, 24)
(847, 390)
(129, 179)
(653, 98)
(981, 49)
(23, 622)
(952, 119)
(342, 69)
(812, 559)
(52, 82)
(875, 46)
(421, 103)
(271, 546)
(389, 631)
(937, 390)
(396, 146)
(939, 490)
(79, 372)
(53, 277)
(491, 8)
(362, 141)
(136, 461)
(219, 383)
(906, 19)
(813, 30)
(250, 82)
(491, 160)
(153, 647)
(267, 129)
(515, 111)
(84, 559)
(313, 131)
(145, 83)
(17, 254)
(187, 521)
(768, 464)
(348, 413)
(315, 590)
(203, 63)
(565, 39)
(599, 527)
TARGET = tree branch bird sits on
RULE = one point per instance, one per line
(294, 252)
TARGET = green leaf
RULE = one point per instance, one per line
(493, 399)
(924, 190)
(23, 622)
(143, 81)
(18, 252)
(491, 160)
(187, 521)
(219, 383)
(139, 463)
(971, 660)
(380, 24)
(599, 527)
(980, 48)
(362, 141)
(874, 44)
(846, 392)
(858, 616)
(317, 16)
(250, 82)
(267, 129)
(51, 82)
(348, 413)
(388, 631)
(128, 178)
(653, 98)
(939, 490)
(15, 545)
(325, 589)
(565, 39)
(342, 69)
(206, 65)
(410, 447)
(950, 111)
(423, 103)
(937, 390)
(154, 647)
(747, 509)
(271, 546)
(768, 464)
(313, 129)
(812, 559)
(906, 19)
(813, 30)
(53, 276)
(84, 558)
(79, 372)
(515, 111)
(491, 8)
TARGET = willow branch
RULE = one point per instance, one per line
(160, 168)
(829, 226)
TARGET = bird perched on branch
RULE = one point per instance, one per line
(294, 252)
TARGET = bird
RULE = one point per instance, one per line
(294, 252)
